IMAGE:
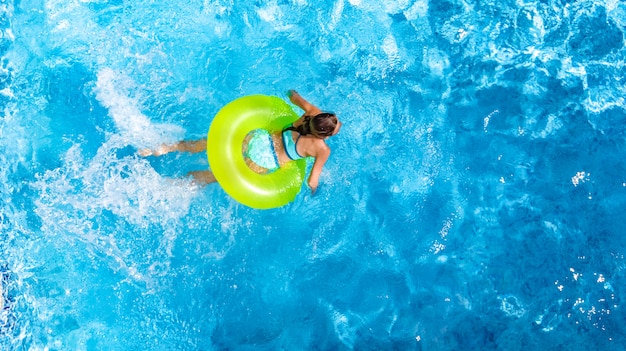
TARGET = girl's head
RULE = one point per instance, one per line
(322, 125)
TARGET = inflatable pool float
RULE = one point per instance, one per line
(224, 150)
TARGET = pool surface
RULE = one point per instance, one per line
(474, 199)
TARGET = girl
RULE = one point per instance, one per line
(304, 138)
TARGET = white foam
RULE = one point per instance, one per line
(511, 306)
(580, 177)
(417, 10)
(113, 91)
(74, 196)
(336, 14)
(274, 15)
(381, 7)
(390, 47)
(346, 324)
(397, 6)
(603, 99)
(436, 60)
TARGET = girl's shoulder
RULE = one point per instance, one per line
(314, 146)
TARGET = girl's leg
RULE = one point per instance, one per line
(192, 146)
(202, 177)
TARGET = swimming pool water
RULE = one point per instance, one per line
(473, 199)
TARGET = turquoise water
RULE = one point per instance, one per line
(473, 199)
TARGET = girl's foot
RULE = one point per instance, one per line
(181, 146)
(202, 178)
(161, 150)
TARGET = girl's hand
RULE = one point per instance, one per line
(313, 183)
(299, 101)
(321, 155)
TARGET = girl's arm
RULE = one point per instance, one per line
(320, 159)
(309, 109)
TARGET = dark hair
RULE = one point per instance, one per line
(320, 125)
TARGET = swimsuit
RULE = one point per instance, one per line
(261, 149)
(290, 145)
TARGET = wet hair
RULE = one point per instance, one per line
(321, 125)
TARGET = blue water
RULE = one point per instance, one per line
(474, 198)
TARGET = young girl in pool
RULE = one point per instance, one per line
(304, 138)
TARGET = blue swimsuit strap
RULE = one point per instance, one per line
(295, 146)
(290, 146)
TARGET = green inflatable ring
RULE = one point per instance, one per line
(224, 149)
